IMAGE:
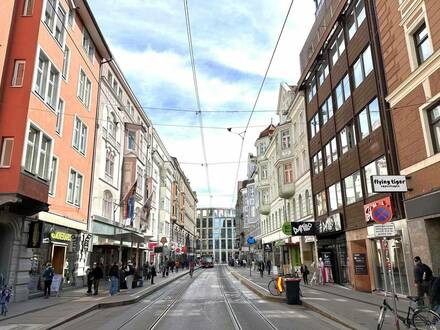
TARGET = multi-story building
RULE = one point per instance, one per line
(410, 40)
(47, 129)
(118, 222)
(216, 227)
(350, 139)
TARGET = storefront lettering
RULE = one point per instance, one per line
(60, 236)
(303, 228)
(331, 224)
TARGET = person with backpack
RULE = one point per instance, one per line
(48, 277)
(422, 280)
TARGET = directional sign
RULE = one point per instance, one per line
(251, 240)
(382, 214)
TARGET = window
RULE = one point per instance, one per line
(262, 148)
(308, 202)
(317, 162)
(28, 7)
(314, 125)
(87, 44)
(342, 91)
(311, 89)
(353, 188)
(109, 164)
(107, 205)
(434, 124)
(74, 188)
(305, 159)
(347, 138)
(71, 17)
(6, 152)
(112, 125)
(84, 88)
(59, 26)
(321, 203)
(335, 196)
(337, 47)
(140, 181)
(331, 152)
(355, 18)
(378, 167)
(53, 175)
(17, 78)
(421, 44)
(323, 72)
(47, 81)
(131, 140)
(115, 86)
(66, 58)
(80, 136)
(285, 139)
(326, 110)
(362, 67)
(49, 15)
(38, 150)
(369, 119)
(288, 174)
(120, 93)
(60, 117)
(263, 172)
(109, 78)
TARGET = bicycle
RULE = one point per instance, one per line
(276, 286)
(420, 318)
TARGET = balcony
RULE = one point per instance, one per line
(286, 190)
(264, 209)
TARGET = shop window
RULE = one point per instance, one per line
(355, 18)
(342, 91)
(353, 188)
(326, 110)
(434, 125)
(362, 67)
(369, 119)
(422, 44)
(378, 167)
(337, 47)
(347, 138)
(335, 196)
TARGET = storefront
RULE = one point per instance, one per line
(332, 248)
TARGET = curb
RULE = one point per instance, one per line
(102, 305)
(324, 312)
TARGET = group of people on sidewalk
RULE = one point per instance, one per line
(170, 265)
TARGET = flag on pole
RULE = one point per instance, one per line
(128, 201)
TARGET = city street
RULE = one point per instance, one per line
(212, 299)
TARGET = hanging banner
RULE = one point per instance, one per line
(35, 234)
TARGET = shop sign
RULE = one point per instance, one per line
(267, 247)
(327, 258)
(368, 208)
(35, 234)
(60, 236)
(360, 264)
(151, 245)
(385, 230)
(306, 228)
(330, 225)
(388, 183)
(287, 228)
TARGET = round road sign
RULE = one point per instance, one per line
(381, 214)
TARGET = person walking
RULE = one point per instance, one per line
(268, 266)
(305, 272)
(48, 277)
(435, 295)
(177, 265)
(5, 297)
(152, 272)
(114, 278)
(146, 271)
(261, 268)
(191, 267)
(129, 275)
(97, 274)
(422, 280)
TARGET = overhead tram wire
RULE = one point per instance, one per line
(196, 91)
(257, 98)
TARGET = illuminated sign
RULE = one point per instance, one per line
(61, 236)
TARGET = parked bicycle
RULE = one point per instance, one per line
(276, 286)
(418, 317)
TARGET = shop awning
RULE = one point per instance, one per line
(114, 232)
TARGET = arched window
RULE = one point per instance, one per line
(308, 202)
(300, 205)
(107, 205)
(109, 163)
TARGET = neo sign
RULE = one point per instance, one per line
(382, 214)
(388, 183)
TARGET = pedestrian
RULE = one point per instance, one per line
(122, 283)
(152, 272)
(435, 295)
(268, 266)
(129, 275)
(5, 297)
(177, 265)
(97, 275)
(305, 272)
(244, 263)
(261, 268)
(48, 277)
(422, 280)
(191, 267)
(146, 271)
(114, 278)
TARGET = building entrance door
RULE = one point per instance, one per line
(58, 257)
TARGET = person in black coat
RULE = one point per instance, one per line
(152, 272)
(261, 268)
(97, 275)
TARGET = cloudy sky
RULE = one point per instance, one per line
(233, 41)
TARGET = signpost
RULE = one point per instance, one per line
(388, 183)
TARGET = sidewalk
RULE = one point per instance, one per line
(356, 310)
(54, 311)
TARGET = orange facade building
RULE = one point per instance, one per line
(50, 57)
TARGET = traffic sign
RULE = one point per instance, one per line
(382, 214)
(385, 230)
(163, 240)
(251, 240)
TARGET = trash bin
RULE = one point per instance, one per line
(292, 291)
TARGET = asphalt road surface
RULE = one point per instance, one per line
(212, 299)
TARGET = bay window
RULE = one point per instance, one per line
(38, 153)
